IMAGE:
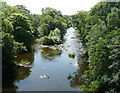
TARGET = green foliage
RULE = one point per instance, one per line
(2, 15)
(6, 9)
(7, 26)
(43, 30)
(9, 10)
(51, 19)
(35, 21)
(16, 33)
(22, 10)
(47, 40)
(100, 31)
(71, 55)
(79, 21)
(53, 38)
(113, 19)
(22, 30)
(55, 35)
(50, 11)
(92, 86)
(10, 48)
(98, 28)
(68, 20)
(112, 79)
(102, 9)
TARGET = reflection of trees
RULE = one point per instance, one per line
(16, 73)
(76, 80)
(22, 73)
(8, 78)
(27, 56)
(14, 76)
(49, 53)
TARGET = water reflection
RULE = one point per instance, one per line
(16, 73)
(27, 56)
(22, 73)
(8, 79)
(76, 79)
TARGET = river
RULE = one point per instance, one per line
(64, 72)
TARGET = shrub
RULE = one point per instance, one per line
(46, 40)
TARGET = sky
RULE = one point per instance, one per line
(67, 7)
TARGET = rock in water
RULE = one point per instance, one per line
(71, 55)
(44, 76)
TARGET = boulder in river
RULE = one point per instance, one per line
(44, 76)
(69, 77)
(72, 55)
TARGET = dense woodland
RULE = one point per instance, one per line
(99, 30)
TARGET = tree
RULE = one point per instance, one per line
(46, 40)
(56, 36)
(35, 21)
(100, 32)
(6, 9)
(50, 11)
(113, 19)
(7, 26)
(22, 30)
(96, 47)
(79, 21)
(22, 9)
(60, 23)
(10, 48)
(50, 20)
(111, 79)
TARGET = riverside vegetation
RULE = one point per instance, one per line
(99, 30)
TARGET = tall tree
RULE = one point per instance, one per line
(22, 29)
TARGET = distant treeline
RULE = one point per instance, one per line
(99, 29)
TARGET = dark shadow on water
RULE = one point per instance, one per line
(8, 78)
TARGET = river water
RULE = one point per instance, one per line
(64, 72)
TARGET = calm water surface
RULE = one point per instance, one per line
(64, 72)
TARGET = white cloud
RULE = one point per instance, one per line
(65, 6)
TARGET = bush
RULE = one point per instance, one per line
(22, 30)
(55, 35)
(71, 55)
(10, 48)
(47, 40)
